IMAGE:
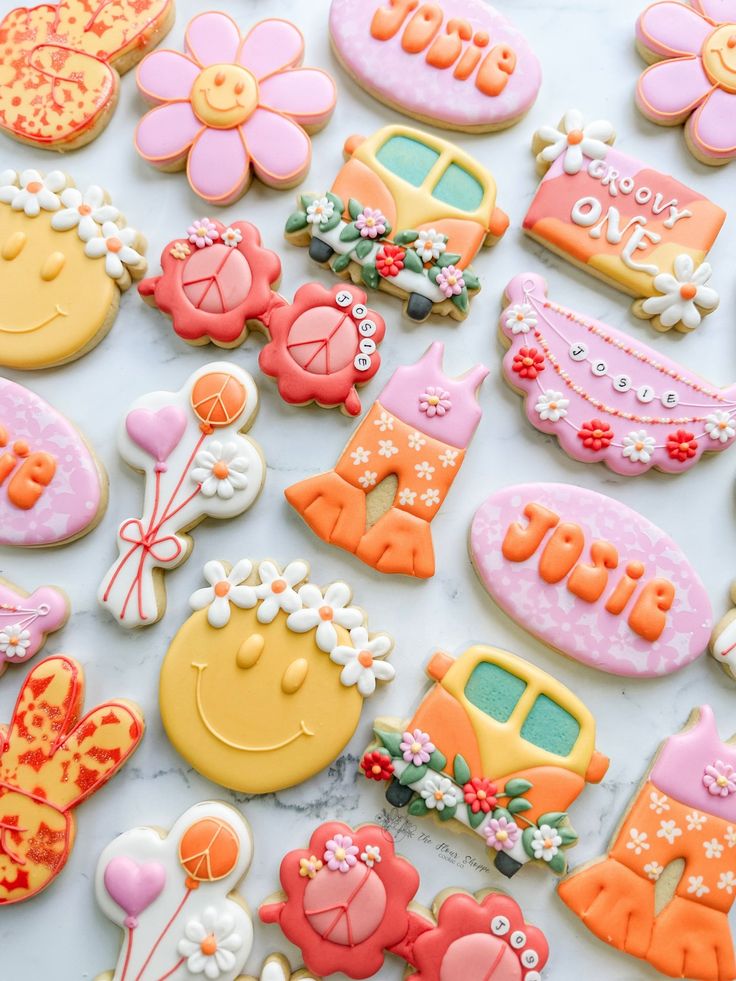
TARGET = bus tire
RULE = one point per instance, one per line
(418, 307)
(398, 795)
(506, 865)
(320, 251)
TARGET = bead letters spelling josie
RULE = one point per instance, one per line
(23, 484)
(560, 559)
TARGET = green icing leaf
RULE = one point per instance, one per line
(437, 761)
(412, 774)
(447, 813)
(363, 248)
(553, 818)
(501, 812)
(461, 770)
(527, 837)
(412, 262)
(418, 808)
(448, 259)
(370, 276)
(337, 201)
(474, 819)
(387, 233)
(471, 280)
(461, 301)
(332, 222)
(433, 273)
(341, 263)
(515, 788)
(518, 805)
(558, 863)
(349, 233)
(390, 741)
(405, 237)
(355, 208)
(296, 221)
(306, 199)
(569, 835)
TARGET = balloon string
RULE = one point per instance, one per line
(128, 953)
(187, 465)
(173, 970)
(145, 549)
(161, 936)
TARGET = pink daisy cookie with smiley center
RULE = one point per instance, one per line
(232, 105)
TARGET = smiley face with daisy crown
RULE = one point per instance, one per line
(66, 255)
(263, 686)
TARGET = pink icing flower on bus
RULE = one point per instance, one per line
(231, 104)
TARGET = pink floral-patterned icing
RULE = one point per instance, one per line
(71, 504)
(696, 77)
(584, 630)
(232, 104)
(465, 29)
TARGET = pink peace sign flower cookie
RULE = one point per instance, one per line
(691, 50)
(232, 105)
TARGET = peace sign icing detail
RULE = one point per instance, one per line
(233, 105)
(174, 896)
(60, 65)
(606, 397)
(196, 464)
(26, 620)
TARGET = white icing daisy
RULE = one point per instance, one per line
(682, 294)
(720, 426)
(575, 140)
(276, 589)
(232, 237)
(439, 793)
(638, 447)
(551, 406)
(545, 842)
(320, 210)
(14, 641)
(85, 212)
(521, 318)
(34, 193)
(220, 470)
(362, 664)
(224, 588)
(430, 245)
(116, 245)
(210, 943)
(323, 611)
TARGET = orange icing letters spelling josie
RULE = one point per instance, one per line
(35, 473)
(559, 559)
(423, 31)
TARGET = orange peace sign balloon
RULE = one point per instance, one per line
(209, 850)
(218, 399)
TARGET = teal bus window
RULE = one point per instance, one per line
(494, 691)
(408, 159)
(550, 727)
(459, 189)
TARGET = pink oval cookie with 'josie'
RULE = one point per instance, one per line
(52, 488)
(591, 578)
(456, 63)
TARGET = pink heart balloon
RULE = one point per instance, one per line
(158, 433)
(134, 885)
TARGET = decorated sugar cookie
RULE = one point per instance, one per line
(51, 761)
(635, 228)
(346, 901)
(277, 968)
(263, 686)
(233, 105)
(66, 255)
(458, 64)
(53, 489)
(60, 66)
(692, 73)
(407, 214)
(26, 620)
(497, 747)
(406, 454)
(196, 464)
(591, 578)
(664, 890)
(606, 397)
(723, 641)
(174, 896)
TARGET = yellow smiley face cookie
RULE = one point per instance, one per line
(65, 257)
(263, 686)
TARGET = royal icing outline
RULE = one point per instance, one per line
(691, 77)
(174, 895)
(52, 760)
(683, 813)
(546, 553)
(479, 70)
(27, 619)
(59, 298)
(639, 230)
(346, 901)
(299, 656)
(416, 434)
(196, 462)
(233, 105)
(440, 761)
(411, 234)
(604, 395)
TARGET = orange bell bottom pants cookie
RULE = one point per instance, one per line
(333, 504)
(615, 897)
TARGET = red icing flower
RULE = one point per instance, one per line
(480, 795)
(377, 766)
(596, 435)
(681, 445)
(528, 362)
(390, 260)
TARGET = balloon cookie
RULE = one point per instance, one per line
(26, 620)
(232, 105)
(458, 64)
(346, 901)
(407, 214)
(65, 257)
(263, 686)
(53, 489)
(547, 554)
(196, 464)
(664, 890)
(692, 73)
(406, 453)
(606, 398)
(499, 748)
(723, 641)
(51, 761)
(639, 230)
(60, 66)
(173, 894)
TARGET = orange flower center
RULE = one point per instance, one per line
(688, 291)
(597, 433)
(684, 446)
(326, 613)
(84, 209)
(528, 362)
(574, 137)
(438, 795)
(278, 586)
(209, 946)
(365, 658)
(639, 446)
(34, 187)
(222, 588)
(14, 639)
(548, 844)
(722, 424)
(553, 405)
(220, 470)
(376, 769)
(114, 244)
(481, 795)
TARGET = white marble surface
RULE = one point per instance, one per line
(589, 59)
